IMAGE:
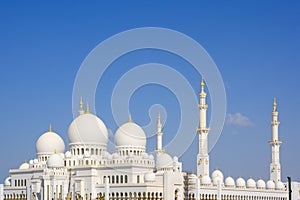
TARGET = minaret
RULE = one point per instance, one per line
(275, 170)
(202, 130)
(80, 111)
(159, 134)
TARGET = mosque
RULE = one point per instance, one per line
(87, 171)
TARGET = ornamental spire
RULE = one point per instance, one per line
(50, 128)
(202, 84)
(129, 118)
(274, 104)
(159, 126)
(80, 111)
(87, 109)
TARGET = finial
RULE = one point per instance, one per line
(129, 118)
(25, 161)
(80, 103)
(274, 104)
(80, 111)
(50, 128)
(159, 126)
(202, 84)
(87, 109)
(55, 151)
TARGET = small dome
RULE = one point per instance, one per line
(68, 154)
(270, 185)
(251, 183)
(229, 182)
(149, 177)
(87, 129)
(151, 157)
(175, 158)
(261, 184)
(217, 173)
(24, 165)
(30, 162)
(55, 161)
(205, 180)
(240, 182)
(49, 142)
(217, 176)
(130, 134)
(164, 160)
(7, 181)
(279, 186)
(35, 161)
(193, 179)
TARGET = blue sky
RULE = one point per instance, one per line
(255, 45)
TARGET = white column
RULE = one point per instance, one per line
(202, 130)
(275, 169)
(1, 192)
(198, 189)
(219, 190)
(106, 188)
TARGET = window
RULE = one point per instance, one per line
(113, 179)
(121, 179)
(138, 178)
(126, 179)
(117, 179)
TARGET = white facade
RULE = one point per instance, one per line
(88, 171)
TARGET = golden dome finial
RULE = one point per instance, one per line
(81, 102)
(129, 118)
(50, 128)
(158, 116)
(274, 103)
(80, 111)
(202, 82)
(87, 109)
(55, 151)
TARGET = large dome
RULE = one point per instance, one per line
(50, 142)
(87, 129)
(130, 135)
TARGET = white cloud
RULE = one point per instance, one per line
(238, 119)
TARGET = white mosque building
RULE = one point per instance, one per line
(87, 171)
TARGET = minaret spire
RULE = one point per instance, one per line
(129, 118)
(50, 128)
(275, 169)
(80, 111)
(202, 130)
(159, 134)
(87, 109)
